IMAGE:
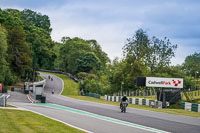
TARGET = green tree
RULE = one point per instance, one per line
(96, 48)
(3, 53)
(5, 74)
(192, 65)
(31, 18)
(88, 62)
(160, 53)
(37, 29)
(155, 53)
(9, 18)
(19, 52)
(71, 50)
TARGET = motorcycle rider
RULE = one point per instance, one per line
(124, 99)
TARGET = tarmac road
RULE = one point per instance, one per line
(101, 122)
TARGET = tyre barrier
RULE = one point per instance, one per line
(190, 106)
(93, 95)
(137, 101)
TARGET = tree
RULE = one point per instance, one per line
(6, 76)
(137, 46)
(71, 50)
(9, 18)
(19, 52)
(96, 48)
(192, 64)
(160, 54)
(87, 62)
(31, 18)
(155, 53)
(37, 29)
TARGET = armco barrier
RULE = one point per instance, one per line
(138, 101)
(190, 106)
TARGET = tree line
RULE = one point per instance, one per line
(26, 46)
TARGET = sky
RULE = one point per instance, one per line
(111, 22)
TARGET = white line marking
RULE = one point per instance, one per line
(106, 118)
(29, 98)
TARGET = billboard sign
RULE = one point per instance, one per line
(164, 82)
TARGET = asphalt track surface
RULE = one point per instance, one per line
(155, 120)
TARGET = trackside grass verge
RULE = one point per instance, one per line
(15, 121)
(69, 83)
(8, 105)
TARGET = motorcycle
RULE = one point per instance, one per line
(123, 107)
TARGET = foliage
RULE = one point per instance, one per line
(5, 75)
(142, 57)
(19, 52)
(71, 50)
(192, 65)
(87, 62)
(79, 55)
(155, 53)
(26, 46)
(29, 44)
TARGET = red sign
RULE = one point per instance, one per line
(0, 87)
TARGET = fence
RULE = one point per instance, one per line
(150, 92)
(137, 101)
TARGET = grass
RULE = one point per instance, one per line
(40, 78)
(70, 85)
(8, 105)
(13, 121)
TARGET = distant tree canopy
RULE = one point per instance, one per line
(78, 55)
(26, 46)
(87, 62)
(192, 64)
(143, 56)
(155, 53)
(29, 44)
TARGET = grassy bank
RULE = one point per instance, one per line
(71, 90)
(15, 121)
(70, 87)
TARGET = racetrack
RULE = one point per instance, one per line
(98, 115)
